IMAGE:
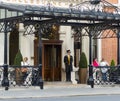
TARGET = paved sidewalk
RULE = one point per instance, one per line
(57, 91)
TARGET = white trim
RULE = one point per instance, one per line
(99, 50)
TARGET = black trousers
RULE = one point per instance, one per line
(68, 73)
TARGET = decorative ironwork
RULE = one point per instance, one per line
(96, 6)
(110, 77)
(49, 31)
(95, 18)
(89, 13)
(10, 25)
(30, 79)
(29, 29)
(98, 31)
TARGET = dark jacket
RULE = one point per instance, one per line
(67, 66)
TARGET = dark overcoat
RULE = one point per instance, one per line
(67, 66)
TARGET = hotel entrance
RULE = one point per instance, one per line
(51, 59)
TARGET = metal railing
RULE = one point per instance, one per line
(106, 75)
(22, 76)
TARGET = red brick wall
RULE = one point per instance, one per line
(109, 45)
(109, 49)
(113, 1)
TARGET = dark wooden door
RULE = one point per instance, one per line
(52, 62)
(51, 59)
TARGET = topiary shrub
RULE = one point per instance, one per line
(83, 64)
(17, 63)
(18, 59)
(112, 65)
(83, 61)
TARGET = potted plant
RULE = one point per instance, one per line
(83, 64)
(112, 72)
(17, 64)
(112, 66)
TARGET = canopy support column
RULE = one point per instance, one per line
(118, 47)
(90, 80)
(40, 58)
(5, 81)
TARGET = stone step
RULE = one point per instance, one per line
(57, 83)
(63, 85)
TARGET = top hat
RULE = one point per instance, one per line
(68, 51)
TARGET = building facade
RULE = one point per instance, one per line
(54, 49)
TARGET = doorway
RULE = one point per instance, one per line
(51, 59)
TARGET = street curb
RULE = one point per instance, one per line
(23, 97)
(48, 91)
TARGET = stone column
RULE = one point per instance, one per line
(26, 44)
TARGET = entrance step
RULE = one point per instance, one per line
(63, 85)
(57, 83)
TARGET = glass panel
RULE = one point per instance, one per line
(20, 13)
(14, 14)
(9, 13)
(2, 13)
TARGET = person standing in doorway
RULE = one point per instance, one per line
(68, 60)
